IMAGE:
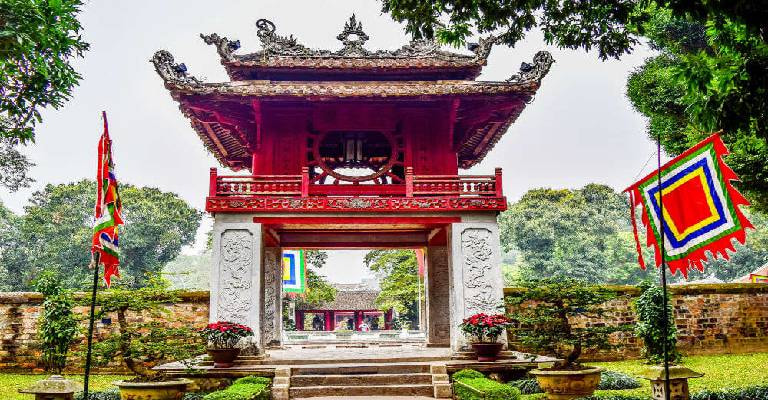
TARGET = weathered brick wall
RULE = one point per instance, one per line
(710, 319)
(19, 313)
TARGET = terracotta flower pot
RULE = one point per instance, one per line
(223, 358)
(166, 390)
(566, 385)
(487, 351)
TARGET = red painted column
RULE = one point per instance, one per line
(299, 320)
(357, 320)
(497, 178)
(328, 321)
(388, 320)
(213, 182)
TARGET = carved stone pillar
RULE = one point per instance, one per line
(437, 293)
(272, 318)
(236, 275)
(476, 281)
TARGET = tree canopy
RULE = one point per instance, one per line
(38, 41)
(55, 234)
(611, 26)
(708, 76)
(398, 276)
(580, 234)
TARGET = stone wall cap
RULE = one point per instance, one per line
(657, 373)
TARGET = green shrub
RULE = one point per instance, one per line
(466, 373)
(484, 389)
(241, 391)
(194, 395)
(526, 386)
(109, 394)
(58, 323)
(617, 397)
(261, 380)
(612, 380)
(748, 393)
(650, 325)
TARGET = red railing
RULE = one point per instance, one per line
(415, 186)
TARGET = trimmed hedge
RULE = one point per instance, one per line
(466, 373)
(253, 379)
(483, 389)
(759, 392)
(526, 386)
(242, 391)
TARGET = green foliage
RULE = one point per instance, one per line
(484, 388)
(614, 380)
(194, 395)
(466, 373)
(319, 290)
(617, 396)
(56, 232)
(649, 308)
(38, 40)
(710, 75)
(526, 386)
(397, 271)
(243, 391)
(262, 380)
(58, 325)
(141, 345)
(584, 234)
(549, 324)
(109, 394)
(748, 393)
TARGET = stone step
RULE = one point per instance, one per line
(351, 369)
(362, 379)
(369, 390)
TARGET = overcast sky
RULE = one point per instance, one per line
(579, 129)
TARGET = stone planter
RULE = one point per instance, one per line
(223, 358)
(167, 390)
(566, 385)
(487, 352)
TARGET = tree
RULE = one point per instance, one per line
(9, 235)
(398, 276)
(38, 40)
(708, 76)
(55, 234)
(582, 234)
(611, 26)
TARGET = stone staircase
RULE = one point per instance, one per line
(403, 379)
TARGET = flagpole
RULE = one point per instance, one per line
(665, 324)
(96, 257)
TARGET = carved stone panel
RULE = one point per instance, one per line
(438, 291)
(476, 284)
(235, 271)
(272, 316)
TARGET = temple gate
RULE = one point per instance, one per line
(349, 149)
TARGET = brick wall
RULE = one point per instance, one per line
(711, 319)
(19, 313)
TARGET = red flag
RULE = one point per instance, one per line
(420, 261)
(107, 212)
(693, 210)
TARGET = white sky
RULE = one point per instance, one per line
(579, 129)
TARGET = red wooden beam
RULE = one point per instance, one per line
(356, 220)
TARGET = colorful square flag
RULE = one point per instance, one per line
(697, 204)
(294, 272)
(754, 278)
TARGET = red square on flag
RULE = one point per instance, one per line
(688, 205)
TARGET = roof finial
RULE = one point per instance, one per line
(353, 37)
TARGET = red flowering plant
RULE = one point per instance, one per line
(225, 335)
(484, 326)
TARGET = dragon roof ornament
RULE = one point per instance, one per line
(353, 39)
(172, 72)
(535, 72)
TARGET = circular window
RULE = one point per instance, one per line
(355, 156)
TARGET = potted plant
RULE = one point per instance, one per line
(141, 345)
(222, 338)
(555, 316)
(485, 330)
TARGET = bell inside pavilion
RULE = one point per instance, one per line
(352, 148)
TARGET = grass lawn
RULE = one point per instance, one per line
(11, 383)
(720, 372)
